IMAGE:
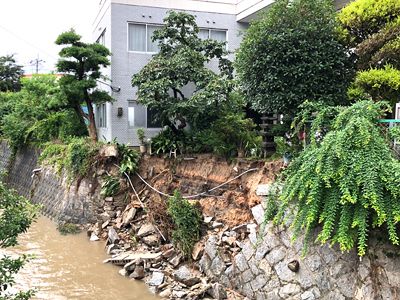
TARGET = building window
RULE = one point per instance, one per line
(102, 38)
(139, 38)
(136, 115)
(101, 115)
(214, 34)
(141, 116)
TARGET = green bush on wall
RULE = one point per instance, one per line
(187, 220)
(76, 156)
(348, 183)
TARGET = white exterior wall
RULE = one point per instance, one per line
(102, 24)
(114, 16)
(125, 63)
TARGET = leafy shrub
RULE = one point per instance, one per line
(348, 183)
(372, 29)
(76, 156)
(380, 84)
(292, 54)
(141, 136)
(110, 186)
(16, 215)
(187, 220)
(225, 136)
(129, 159)
(230, 134)
(167, 140)
(37, 113)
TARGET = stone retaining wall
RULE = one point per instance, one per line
(62, 200)
(258, 261)
(269, 266)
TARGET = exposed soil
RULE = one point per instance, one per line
(229, 204)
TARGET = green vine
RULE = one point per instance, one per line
(348, 183)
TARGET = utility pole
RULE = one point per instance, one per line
(36, 62)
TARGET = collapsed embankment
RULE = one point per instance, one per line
(237, 256)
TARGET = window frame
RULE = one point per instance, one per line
(102, 38)
(101, 115)
(134, 104)
(217, 29)
(127, 36)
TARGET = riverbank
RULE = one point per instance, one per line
(69, 267)
(238, 256)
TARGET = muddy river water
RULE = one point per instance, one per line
(70, 267)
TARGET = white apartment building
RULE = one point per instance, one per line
(126, 27)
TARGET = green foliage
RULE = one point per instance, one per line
(110, 186)
(129, 159)
(37, 113)
(372, 28)
(81, 63)
(231, 134)
(225, 136)
(167, 140)
(141, 136)
(68, 228)
(369, 24)
(292, 54)
(182, 61)
(187, 220)
(348, 183)
(76, 156)
(272, 203)
(380, 84)
(10, 74)
(16, 215)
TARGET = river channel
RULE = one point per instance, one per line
(70, 267)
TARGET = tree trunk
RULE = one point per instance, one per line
(172, 127)
(92, 124)
(81, 115)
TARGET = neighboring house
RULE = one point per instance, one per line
(126, 27)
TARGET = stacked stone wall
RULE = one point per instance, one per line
(61, 199)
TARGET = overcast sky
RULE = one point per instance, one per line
(29, 28)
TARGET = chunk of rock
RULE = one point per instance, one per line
(263, 189)
(128, 216)
(138, 273)
(94, 237)
(105, 224)
(186, 276)
(175, 261)
(217, 291)
(216, 224)
(146, 229)
(258, 213)
(151, 240)
(165, 293)
(111, 248)
(123, 272)
(112, 236)
(156, 279)
(178, 294)
(208, 220)
(108, 151)
(169, 253)
(198, 250)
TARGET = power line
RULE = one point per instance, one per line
(27, 42)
